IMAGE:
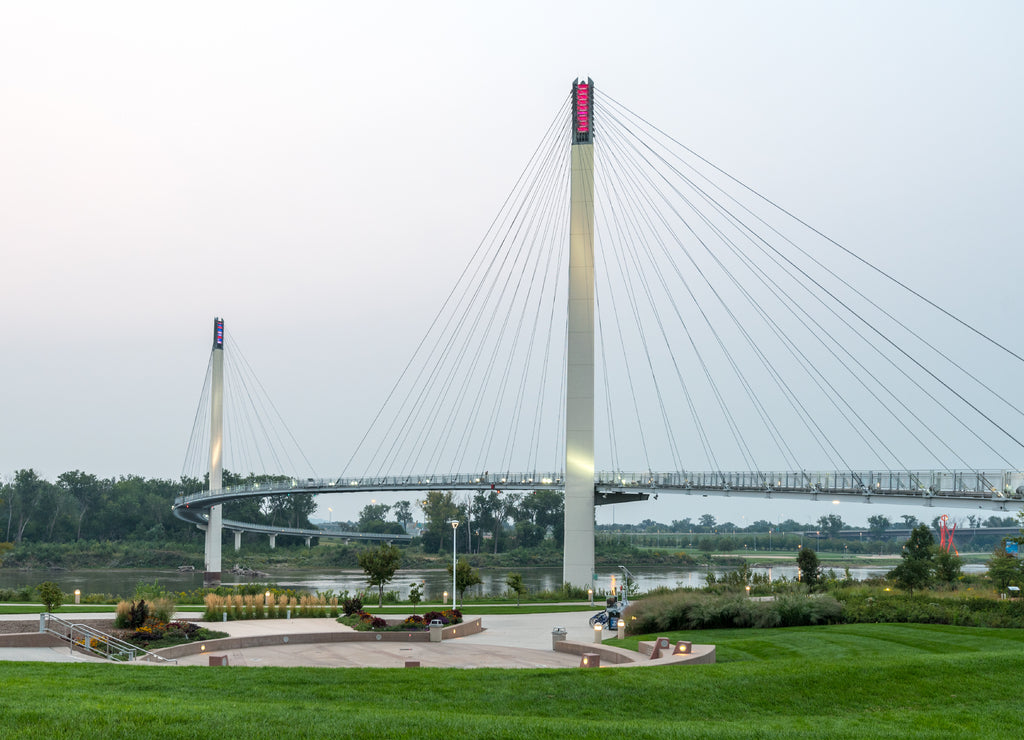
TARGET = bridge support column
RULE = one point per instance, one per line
(273, 541)
(578, 556)
(238, 540)
(212, 574)
(309, 542)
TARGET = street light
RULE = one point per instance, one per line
(330, 514)
(455, 526)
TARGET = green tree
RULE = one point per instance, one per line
(465, 576)
(438, 509)
(51, 595)
(372, 519)
(403, 514)
(918, 560)
(878, 524)
(292, 510)
(490, 514)
(1004, 569)
(707, 521)
(514, 581)
(544, 509)
(24, 496)
(831, 523)
(909, 520)
(529, 534)
(947, 567)
(380, 564)
(5, 547)
(810, 569)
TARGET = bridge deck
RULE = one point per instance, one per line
(997, 490)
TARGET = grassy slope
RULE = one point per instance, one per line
(846, 681)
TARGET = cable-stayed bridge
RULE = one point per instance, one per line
(703, 330)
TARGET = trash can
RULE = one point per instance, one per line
(557, 635)
(436, 630)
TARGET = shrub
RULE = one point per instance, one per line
(138, 614)
(351, 605)
(151, 591)
(22, 593)
(689, 610)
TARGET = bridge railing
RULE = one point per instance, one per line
(981, 483)
(388, 482)
(930, 482)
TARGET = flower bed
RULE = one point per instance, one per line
(364, 621)
(154, 634)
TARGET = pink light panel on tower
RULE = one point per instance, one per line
(582, 108)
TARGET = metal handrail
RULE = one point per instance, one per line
(97, 642)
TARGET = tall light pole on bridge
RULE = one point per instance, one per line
(212, 573)
(578, 558)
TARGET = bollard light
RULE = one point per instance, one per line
(590, 593)
(266, 599)
(748, 590)
(78, 596)
(598, 633)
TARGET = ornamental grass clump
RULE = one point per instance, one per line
(162, 609)
(122, 614)
(238, 606)
(216, 606)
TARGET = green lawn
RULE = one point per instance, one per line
(844, 681)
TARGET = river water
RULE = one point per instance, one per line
(434, 582)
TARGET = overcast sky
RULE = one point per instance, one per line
(318, 173)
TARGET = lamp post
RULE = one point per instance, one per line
(455, 526)
(330, 514)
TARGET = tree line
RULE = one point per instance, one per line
(828, 524)
(489, 521)
(82, 506)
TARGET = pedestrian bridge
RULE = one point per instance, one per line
(995, 490)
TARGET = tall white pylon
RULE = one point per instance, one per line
(212, 574)
(578, 558)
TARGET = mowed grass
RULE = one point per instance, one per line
(843, 681)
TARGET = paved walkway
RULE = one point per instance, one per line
(508, 641)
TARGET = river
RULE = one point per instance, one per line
(434, 582)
